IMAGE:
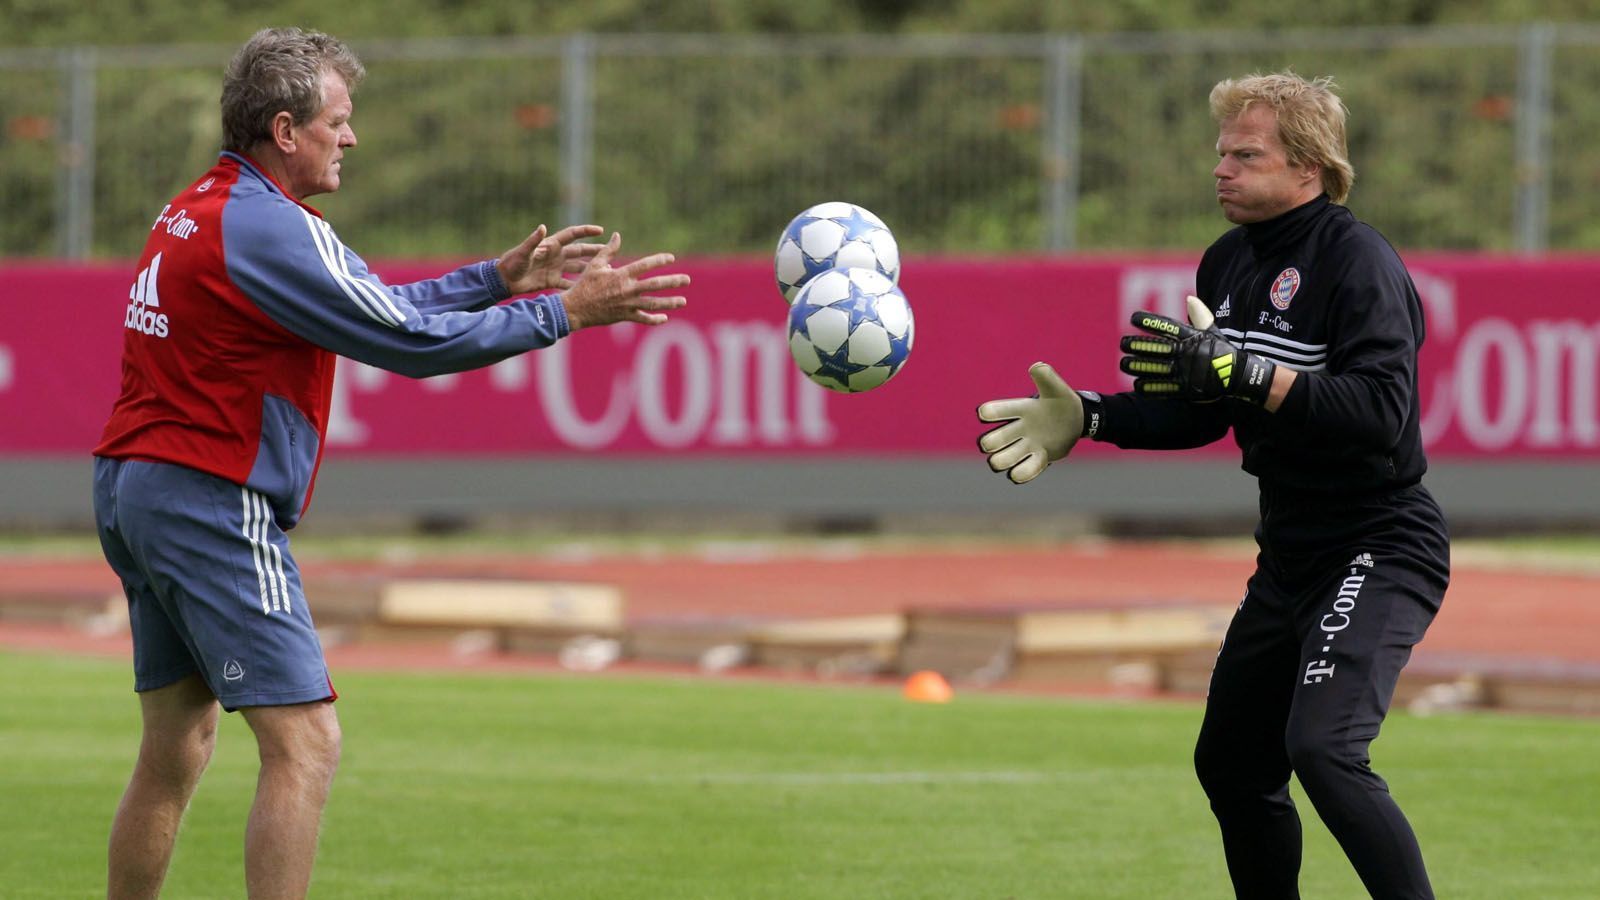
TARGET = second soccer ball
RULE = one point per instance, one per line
(833, 235)
(850, 330)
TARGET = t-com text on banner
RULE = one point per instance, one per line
(1511, 367)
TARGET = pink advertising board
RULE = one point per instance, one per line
(1509, 368)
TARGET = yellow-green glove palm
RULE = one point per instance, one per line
(1037, 431)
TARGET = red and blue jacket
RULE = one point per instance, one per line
(244, 298)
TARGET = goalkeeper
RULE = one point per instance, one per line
(1305, 345)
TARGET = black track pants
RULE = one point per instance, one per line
(1341, 593)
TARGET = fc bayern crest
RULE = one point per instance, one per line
(1284, 287)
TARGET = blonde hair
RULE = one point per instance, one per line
(1311, 121)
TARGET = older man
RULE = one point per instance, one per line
(243, 298)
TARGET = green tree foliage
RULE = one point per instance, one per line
(712, 149)
(53, 23)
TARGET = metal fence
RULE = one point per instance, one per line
(1462, 138)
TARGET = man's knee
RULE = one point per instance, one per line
(1326, 764)
(177, 761)
(1226, 766)
(1240, 775)
(1214, 765)
(304, 736)
(180, 733)
(1230, 782)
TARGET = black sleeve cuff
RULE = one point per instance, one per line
(1296, 405)
(1094, 414)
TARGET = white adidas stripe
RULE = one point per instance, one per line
(255, 548)
(145, 287)
(1260, 337)
(1274, 348)
(1301, 362)
(338, 278)
(1302, 357)
(1266, 349)
(383, 299)
(259, 532)
(359, 292)
(270, 581)
(1294, 364)
(1267, 337)
(277, 558)
(372, 300)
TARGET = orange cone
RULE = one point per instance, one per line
(928, 686)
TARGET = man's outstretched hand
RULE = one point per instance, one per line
(1037, 431)
(602, 295)
(1193, 361)
(543, 261)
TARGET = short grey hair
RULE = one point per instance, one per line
(280, 70)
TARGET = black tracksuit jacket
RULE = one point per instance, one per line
(1346, 527)
(1322, 293)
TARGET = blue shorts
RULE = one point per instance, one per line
(210, 583)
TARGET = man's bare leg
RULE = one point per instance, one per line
(180, 730)
(299, 747)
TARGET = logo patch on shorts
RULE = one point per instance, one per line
(1284, 287)
(232, 671)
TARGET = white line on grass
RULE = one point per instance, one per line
(832, 778)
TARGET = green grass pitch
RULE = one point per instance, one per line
(622, 786)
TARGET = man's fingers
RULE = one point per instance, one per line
(1149, 346)
(608, 249)
(645, 264)
(1139, 365)
(529, 245)
(1029, 469)
(577, 232)
(1002, 410)
(661, 303)
(996, 439)
(662, 283)
(1156, 387)
(1047, 381)
(1155, 324)
(1008, 456)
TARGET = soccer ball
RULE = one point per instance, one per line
(831, 236)
(850, 330)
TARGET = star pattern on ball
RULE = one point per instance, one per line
(861, 307)
(798, 321)
(856, 226)
(837, 365)
(835, 333)
(814, 267)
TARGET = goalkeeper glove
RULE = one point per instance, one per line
(1193, 362)
(1038, 430)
